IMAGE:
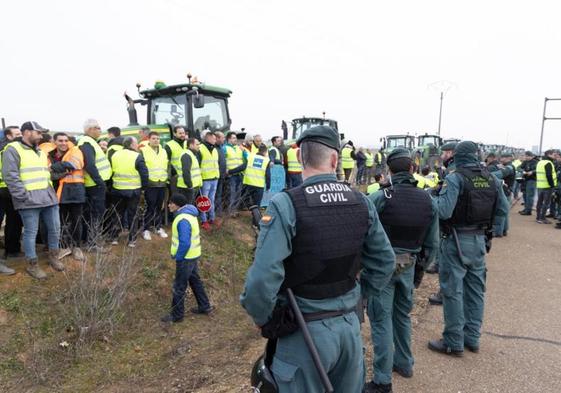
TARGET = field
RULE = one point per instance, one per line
(43, 351)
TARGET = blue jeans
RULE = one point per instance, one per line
(187, 272)
(50, 218)
(293, 180)
(235, 187)
(529, 195)
(209, 189)
(544, 200)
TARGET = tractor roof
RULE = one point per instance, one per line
(399, 136)
(312, 119)
(184, 87)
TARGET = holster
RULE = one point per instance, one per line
(282, 323)
(403, 262)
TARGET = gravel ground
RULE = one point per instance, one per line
(521, 344)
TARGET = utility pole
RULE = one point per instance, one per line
(442, 87)
(440, 112)
(544, 118)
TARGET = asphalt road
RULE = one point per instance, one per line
(521, 343)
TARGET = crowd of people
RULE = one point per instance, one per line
(441, 219)
(79, 195)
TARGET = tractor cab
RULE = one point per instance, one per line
(427, 152)
(391, 142)
(194, 105)
(302, 124)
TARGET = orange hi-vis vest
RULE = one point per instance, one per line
(76, 158)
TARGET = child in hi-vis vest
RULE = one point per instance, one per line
(186, 251)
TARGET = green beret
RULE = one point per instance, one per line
(398, 153)
(321, 134)
(448, 146)
(466, 147)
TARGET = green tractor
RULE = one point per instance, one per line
(427, 152)
(391, 142)
(194, 105)
(303, 123)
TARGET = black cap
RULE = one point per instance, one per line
(178, 200)
(448, 146)
(506, 155)
(32, 126)
(529, 153)
(398, 153)
(321, 134)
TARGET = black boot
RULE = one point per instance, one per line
(436, 299)
(372, 387)
(440, 346)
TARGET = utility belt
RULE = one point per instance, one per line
(446, 230)
(283, 321)
(403, 262)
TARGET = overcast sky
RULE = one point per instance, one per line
(366, 63)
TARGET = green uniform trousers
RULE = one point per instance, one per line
(339, 344)
(391, 326)
(462, 281)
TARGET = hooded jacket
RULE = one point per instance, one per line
(184, 230)
(21, 198)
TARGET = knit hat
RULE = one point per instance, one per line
(178, 200)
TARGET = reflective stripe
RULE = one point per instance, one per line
(101, 162)
(209, 163)
(541, 178)
(196, 178)
(256, 170)
(125, 175)
(176, 152)
(195, 248)
(347, 161)
(33, 167)
(234, 157)
(292, 160)
(157, 163)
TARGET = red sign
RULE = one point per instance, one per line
(203, 204)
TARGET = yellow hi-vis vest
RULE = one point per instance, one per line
(196, 179)
(33, 168)
(209, 163)
(114, 148)
(101, 162)
(195, 249)
(541, 179)
(431, 180)
(516, 163)
(125, 175)
(234, 157)
(369, 159)
(294, 165)
(420, 180)
(347, 161)
(372, 188)
(256, 170)
(157, 163)
(278, 155)
(177, 151)
(2, 182)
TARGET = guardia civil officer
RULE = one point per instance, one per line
(410, 218)
(315, 239)
(507, 174)
(467, 203)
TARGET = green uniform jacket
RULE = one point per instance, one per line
(451, 189)
(432, 237)
(274, 245)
